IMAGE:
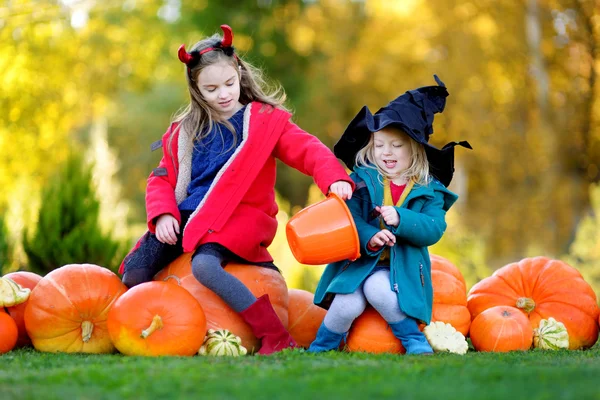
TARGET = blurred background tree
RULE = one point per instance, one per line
(522, 77)
(584, 253)
(5, 245)
(68, 229)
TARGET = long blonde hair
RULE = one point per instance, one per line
(198, 116)
(418, 169)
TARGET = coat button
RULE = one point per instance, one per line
(210, 231)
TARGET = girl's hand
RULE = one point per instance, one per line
(167, 229)
(382, 238)
(389, 215)
(342, 189)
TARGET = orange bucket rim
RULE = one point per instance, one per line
(352, 224)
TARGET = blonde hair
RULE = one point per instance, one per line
(198, 116)
(418, 169)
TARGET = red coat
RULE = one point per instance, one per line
(239, 209)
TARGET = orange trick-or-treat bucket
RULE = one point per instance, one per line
(323, 232)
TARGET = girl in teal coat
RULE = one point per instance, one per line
(399, 207)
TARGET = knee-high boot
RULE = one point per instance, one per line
(267, 327)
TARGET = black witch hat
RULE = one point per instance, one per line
(412, 112)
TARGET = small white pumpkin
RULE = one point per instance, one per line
(11, 293)
(222, 343)
(444, 338)
(551, 335)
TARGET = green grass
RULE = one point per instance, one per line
(27, 374)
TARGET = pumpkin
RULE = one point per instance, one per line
(305, 318)
(8, 333)
(155, 319)
(27, 280)
(542, 288)
(551, 335)
(444, 338)
(222, 343)
(449, 295)
(370, 333)
(68, 308)
(11, 293)
(501, 329)
(219, 315)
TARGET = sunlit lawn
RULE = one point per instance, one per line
(27, 374)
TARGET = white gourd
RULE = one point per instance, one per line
(551, 335)
(11, 293)
(222, 343)
(443, 337)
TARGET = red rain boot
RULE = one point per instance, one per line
(267, 327)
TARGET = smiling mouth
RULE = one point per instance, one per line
(225, 103)
(390, 163)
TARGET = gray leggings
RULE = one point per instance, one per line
(376, 291)
(207, 268)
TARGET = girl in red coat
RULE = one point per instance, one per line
(213, 191)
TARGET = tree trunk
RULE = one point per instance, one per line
(541, 127)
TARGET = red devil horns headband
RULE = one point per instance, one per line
(225, 44)
(184, 56)
(227, 36)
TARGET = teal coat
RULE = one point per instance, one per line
(422, 224)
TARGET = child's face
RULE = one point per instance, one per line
(391, 151)
(219, 84)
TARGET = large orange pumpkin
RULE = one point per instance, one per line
(8, 333)
(27, 280)
(542, 288)
(501, 329)
(371, 334)
(304, 317)
(219, 315)
(449, 295)
(155, 319)
(68, 308)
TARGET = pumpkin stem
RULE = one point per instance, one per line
(87, 327)
(157, 323)
(526, 304)
(177, 279)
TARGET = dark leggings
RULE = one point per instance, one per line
(207, 269)
(207, 266)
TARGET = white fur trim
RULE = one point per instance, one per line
(184, 176)
(184, 155)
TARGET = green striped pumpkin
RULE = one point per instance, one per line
(551, 335)
(222, 343)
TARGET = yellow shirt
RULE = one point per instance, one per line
(388, 201)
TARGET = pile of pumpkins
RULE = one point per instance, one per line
(536, 302)
(85, 308)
